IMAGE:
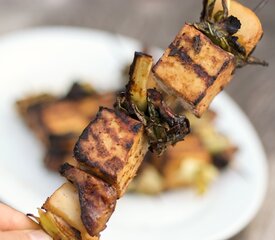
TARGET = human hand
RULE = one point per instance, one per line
(15, 225)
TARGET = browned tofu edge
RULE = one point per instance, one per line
(202, 101)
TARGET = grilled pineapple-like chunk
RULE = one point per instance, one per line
(62, 212)
(251, 29)
(194, 69)
(112, 147)
(183, 161)
(56, 227)
(148, 181)
(64, 202)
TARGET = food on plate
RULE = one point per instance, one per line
(109, 152)
(195, 162)
(202, 154)
(58, 121)
(195, 67)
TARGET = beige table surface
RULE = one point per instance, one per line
(155, 22)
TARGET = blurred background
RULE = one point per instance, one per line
(155, 22)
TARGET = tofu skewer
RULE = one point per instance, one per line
(201, 60)
(111, 148)
(109, 152)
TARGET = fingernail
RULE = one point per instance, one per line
(39, 235)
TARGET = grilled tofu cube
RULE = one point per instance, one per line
(97, 198)
(65, 116)
(194, 69)
(64, 205)
(58, 122)
(112, 147)
(251, 29)
(30, 107)
(49, 116)
(23, 105)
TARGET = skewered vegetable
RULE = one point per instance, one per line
(200, 62)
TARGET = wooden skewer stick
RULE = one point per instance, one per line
(260, 5)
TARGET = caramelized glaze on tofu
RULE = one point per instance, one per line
(97, 198)
(194, 69)
(112, 147)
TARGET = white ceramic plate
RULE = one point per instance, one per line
(47, 60)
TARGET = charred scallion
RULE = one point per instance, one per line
(221, 28)
(162, 126)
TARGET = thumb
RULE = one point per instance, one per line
(24, 235)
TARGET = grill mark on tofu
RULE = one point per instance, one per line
(197, 44)
(181, 54)
(223, 67)
(124, 118)
(133, 127)
(114, 164)
(101, 149)
(107, 150)
(128, 144)
(113, 134)
(136, 128)
(79, 153)
(85, 134)
(199, 98)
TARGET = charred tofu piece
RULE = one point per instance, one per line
(58, 121)
(112, 147)
(49, 115)
(29, 108)
(251, 29)
(194, 69)
(25, 104)
(66, 116)
(97, 198)
(63, 121)
(63, 206)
